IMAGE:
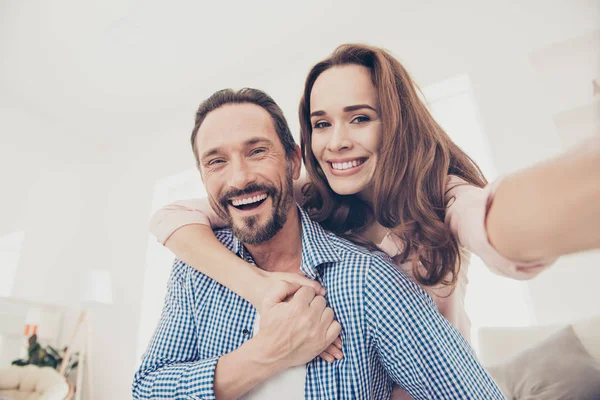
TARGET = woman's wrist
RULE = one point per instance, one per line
(253, 284)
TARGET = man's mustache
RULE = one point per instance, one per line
(251, 188)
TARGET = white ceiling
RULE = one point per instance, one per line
(83, 65)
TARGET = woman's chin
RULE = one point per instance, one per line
(347, 189)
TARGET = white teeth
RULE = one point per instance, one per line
(346, 165)
(249, 200)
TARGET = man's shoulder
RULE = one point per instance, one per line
(182, 272)
(359, 259)
(349, 252)
(376, 267)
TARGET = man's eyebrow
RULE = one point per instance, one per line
(210, 152)
(257, 140)
(247, 143)
(320, 113)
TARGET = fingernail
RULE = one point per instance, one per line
(339, 356)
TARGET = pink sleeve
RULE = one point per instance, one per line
(185, 212)
(466, 214)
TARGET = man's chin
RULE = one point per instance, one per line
(251, 237)
(254, 232)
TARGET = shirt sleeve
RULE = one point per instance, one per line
(418, 347)
(170, 368)
(185, 212)
(466, 214)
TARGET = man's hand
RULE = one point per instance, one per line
(294, 332)
(280, 286)
(271, 284)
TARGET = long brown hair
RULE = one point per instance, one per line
(415, 158)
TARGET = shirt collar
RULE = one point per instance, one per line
(317, 248)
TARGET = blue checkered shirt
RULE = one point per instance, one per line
(391, 331)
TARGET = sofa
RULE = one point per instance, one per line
(544, 362)
(31, 382)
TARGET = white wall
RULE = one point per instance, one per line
(86, 128)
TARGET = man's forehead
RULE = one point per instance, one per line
(234, 124)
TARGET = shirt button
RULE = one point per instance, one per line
(245, 332)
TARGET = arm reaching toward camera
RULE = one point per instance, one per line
(521, 223)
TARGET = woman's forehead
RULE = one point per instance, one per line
(342, 86)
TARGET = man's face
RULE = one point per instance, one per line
(245, 171)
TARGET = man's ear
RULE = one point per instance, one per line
(296, 159)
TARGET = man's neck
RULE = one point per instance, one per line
(283, 253)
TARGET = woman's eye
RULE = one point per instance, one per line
(321, 125)
(361, 119)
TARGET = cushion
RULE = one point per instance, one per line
(588, 331)
(10, 378)
(557, 368)
(29, 377)
(497, 345)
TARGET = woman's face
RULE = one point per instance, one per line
(346, 128)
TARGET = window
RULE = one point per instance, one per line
(10, 252)
(186, 185)
(491, 300)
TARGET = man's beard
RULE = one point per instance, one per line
(247, 229)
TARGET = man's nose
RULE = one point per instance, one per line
(241, 175)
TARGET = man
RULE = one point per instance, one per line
(211, 343)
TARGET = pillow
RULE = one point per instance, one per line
(557, 368)
(10, 377)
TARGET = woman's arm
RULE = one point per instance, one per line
(185, 228)
(466, 212)
(521, 223)
(550, 209)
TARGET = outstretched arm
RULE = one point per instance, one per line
(521, 223)
(550, 209)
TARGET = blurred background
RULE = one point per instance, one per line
(97, 102)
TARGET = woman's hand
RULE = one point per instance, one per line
(291, 283)
(333, 352)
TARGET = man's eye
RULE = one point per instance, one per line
(257, 151)
(215, 162)
(321, 125)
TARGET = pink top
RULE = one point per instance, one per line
(465, 215)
